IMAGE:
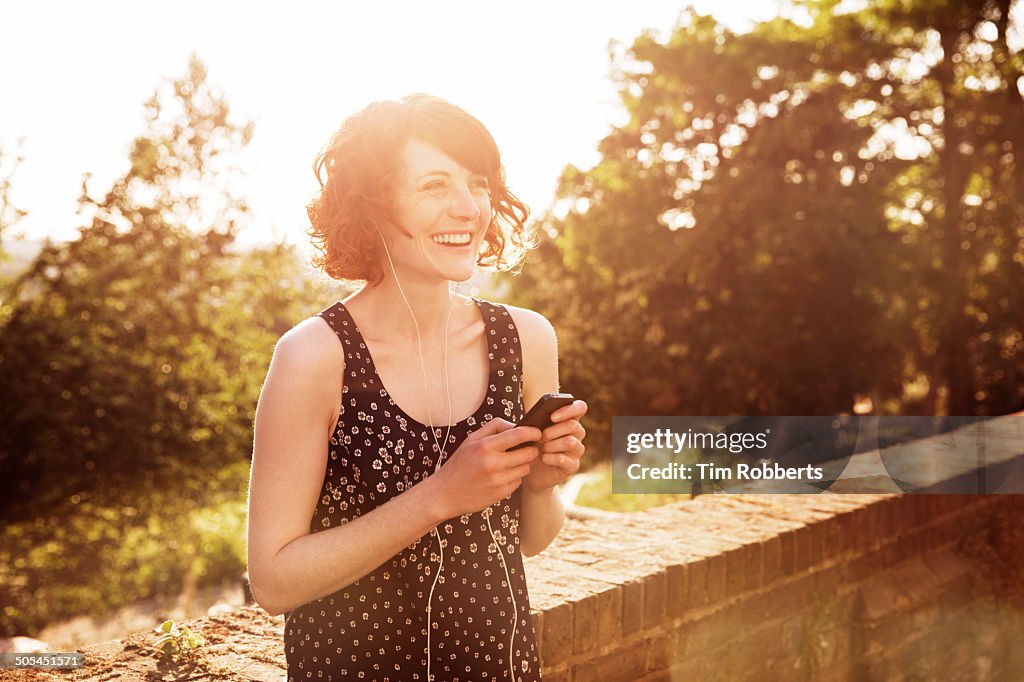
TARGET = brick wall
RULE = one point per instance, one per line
(798, 587)
(731, 587)
(823, 587)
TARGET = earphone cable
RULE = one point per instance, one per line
(440, 455)
(440, 451)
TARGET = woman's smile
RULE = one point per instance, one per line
(446, 208)
(453, 238)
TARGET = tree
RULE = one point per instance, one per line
(10, 214)
(767, 232)
(131, 357)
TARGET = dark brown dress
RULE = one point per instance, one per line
(376, 628)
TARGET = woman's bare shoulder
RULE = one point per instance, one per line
(312, 346)
(540, 352)
(531, 324)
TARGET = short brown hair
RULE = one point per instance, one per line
(358, 166)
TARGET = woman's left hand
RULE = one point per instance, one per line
(561, 448)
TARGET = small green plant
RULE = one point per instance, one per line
(178, 642)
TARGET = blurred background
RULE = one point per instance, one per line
(786, 208)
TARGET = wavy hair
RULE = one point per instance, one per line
(357, 170)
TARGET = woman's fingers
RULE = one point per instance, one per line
(566, 462)
(491, 428)
(569, 445)
(576, 410)
(517, 436)
(570, 427)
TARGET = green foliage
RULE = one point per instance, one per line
(131, 357)
(758, 238)
(130, 362)
(178, 643)
(97, 559)
(597, 493)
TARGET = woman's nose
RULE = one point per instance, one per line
(463, 205)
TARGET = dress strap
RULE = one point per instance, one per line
(340, 320)
(506, 356)
(358, 363)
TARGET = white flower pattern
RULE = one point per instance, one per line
(375, 628)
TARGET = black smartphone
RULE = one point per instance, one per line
(539, 415)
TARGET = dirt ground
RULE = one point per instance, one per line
(243, 644)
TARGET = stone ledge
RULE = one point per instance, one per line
(660, 593)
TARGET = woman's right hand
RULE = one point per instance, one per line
(482, 470)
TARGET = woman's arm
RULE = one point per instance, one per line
(542, 510)
(298, 406)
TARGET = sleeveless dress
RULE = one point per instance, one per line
(376, 627)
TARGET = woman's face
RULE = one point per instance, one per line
(446, 209)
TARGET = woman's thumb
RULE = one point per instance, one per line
(492, 427)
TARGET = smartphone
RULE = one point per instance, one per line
(539, 415)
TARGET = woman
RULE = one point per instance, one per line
(396, 548)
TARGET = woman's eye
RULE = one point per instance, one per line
(435, 185)
(482, 184)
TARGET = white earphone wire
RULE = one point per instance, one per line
(437, 466)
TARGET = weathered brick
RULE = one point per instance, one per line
(871, 526)
(771, 552)
(632, 606)
(661, 651)
(909, 544)
(655, 589)
(913, 510)
(830, 580)
(820, 532)
(677, 596)
(691, 669)
(804, 549)
(861, 536)
(785, 597)
(696, 582)
(756, 650)
(581, 579)
(948, 529)
(891, 524)
(585, 617)
(946, 565)
(615, 571)
(735, 567)
(714, 581)
(918, 582)
(562, 674)
(753, 561)
(846, 522)
(699, 637)
(879, 598)
(557, 637)
(788, 542)
(657, 676)
(609, 615)
(835, 539)
(727, 663)
(626, 663)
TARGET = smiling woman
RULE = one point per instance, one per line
(362, 174)
(389, 510)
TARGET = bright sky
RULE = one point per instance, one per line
(73, 77)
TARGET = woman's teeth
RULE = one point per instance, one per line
(453, 239)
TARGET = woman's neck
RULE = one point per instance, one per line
(431, 304)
